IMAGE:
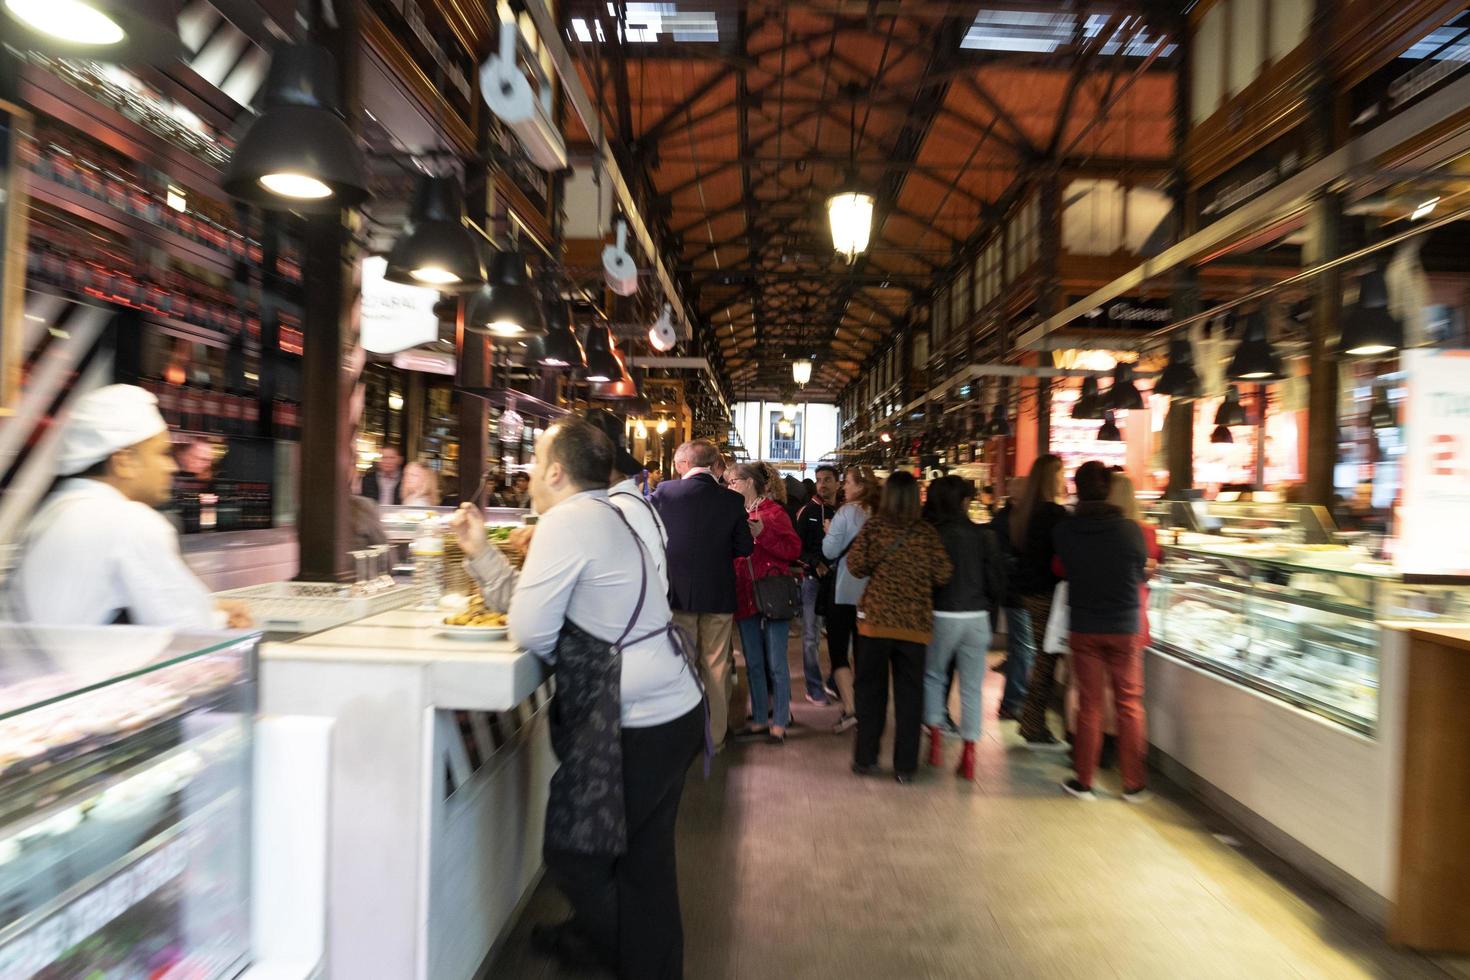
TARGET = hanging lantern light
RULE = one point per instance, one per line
(1089, 403)
(1222, 436)
(786, 428)
(602, 362)
(663, 426)
(561, 348)
(850, 215)
(640, 430)
(1179, 378)
(1231, 411)
(620, 388)
(1124, 395)
(1109, 431)
(1255, 359)
(1368, 329)
(435, 248)
(298, 154)
(788, 411)
(506, 306)
(132, 32)
(801, 371)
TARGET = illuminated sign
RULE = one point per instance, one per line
(395, 317)
(1435, 538)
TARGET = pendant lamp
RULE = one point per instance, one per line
(1089, 403)
(999, 425)
(1255, 359)
(119, 32)
(622, 387)
(850, 214)
(1222, 436)
(560, 347)
(1109, 431)
(1124, 396)
(299, 154)
(1179, 378)
(602, 363)
(506, 306)
(1231, 411)
(435, 248)
(1368, 329)
(801, 371)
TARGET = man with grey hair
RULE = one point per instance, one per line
(708, 531)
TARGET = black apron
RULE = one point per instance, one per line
(586, 812)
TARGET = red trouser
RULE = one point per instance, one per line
(1121, 658)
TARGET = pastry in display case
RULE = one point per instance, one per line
(125, 797)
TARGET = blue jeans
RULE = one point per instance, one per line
(1019, 654)
(764, 645)
(963, 642)
(811, 639)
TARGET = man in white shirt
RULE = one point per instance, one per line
(626, 497)
(97, 552)
(586, 569)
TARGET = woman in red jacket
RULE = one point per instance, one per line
(763, 640)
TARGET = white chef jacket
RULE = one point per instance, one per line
(584, 566)
(90, 553)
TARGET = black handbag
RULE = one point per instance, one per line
(776, 596)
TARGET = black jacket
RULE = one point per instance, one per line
(708, 530)
(370, 486)
(1034, 575)
(979, 579)
(1104, 558)
(1000, 527)
(809, 527)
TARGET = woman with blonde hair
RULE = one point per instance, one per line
(860, 492)
(1036, 515)
(420, 486)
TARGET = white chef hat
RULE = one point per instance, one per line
(104, 421)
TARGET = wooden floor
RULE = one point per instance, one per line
(792, 867)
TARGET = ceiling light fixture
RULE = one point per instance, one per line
(1179, 378)
(435, 248)
(561, 348)
(640, 431)
(298, 154)
(663, 426)
(1368, 329)
(1109, 431)
(110, 31)
(1425, 210)
(1231, 411)
(506, 306)
(1222, 436)
(661, 336)
(1255, 359)
(801, 371)
(1124, 395)
(850, 214)
(602, 363)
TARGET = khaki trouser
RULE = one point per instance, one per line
(712, 634)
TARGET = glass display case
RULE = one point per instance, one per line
(125, 796)
(403, 523)
(1246, 520)
(1296, 621)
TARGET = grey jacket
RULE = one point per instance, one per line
(844, 530)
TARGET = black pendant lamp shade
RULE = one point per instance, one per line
(622, 387)
(1368, 329)
(119, 32)
(1231, 411)
(1109, 431)
(435, 249)
(602, 363)
(560, 347)
(1089, 403)
(1179, 378)
(1222, 436)
(1255, 359)
(507, 305)
(299, 154)
(1124, 395)
(999, 425)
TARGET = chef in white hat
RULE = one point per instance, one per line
(98, 551)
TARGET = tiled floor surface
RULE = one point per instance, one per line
(792, 867)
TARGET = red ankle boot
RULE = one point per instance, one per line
(966, 768)
(936, 747)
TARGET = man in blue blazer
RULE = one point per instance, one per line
(708, 531)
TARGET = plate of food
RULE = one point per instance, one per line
(475, 622)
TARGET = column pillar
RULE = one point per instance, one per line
(1324, 227)
(332, 360)
(1179, 423)
(1049, 292)
(472, 350)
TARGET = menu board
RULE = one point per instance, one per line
(1435, 537)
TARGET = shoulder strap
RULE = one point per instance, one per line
(643, 580)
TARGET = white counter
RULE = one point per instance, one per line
(435, 834)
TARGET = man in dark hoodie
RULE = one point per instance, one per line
(1101, 554)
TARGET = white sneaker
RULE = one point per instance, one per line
(1076, 790)
(1137, 796)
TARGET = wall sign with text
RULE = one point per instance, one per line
(1435, 538)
